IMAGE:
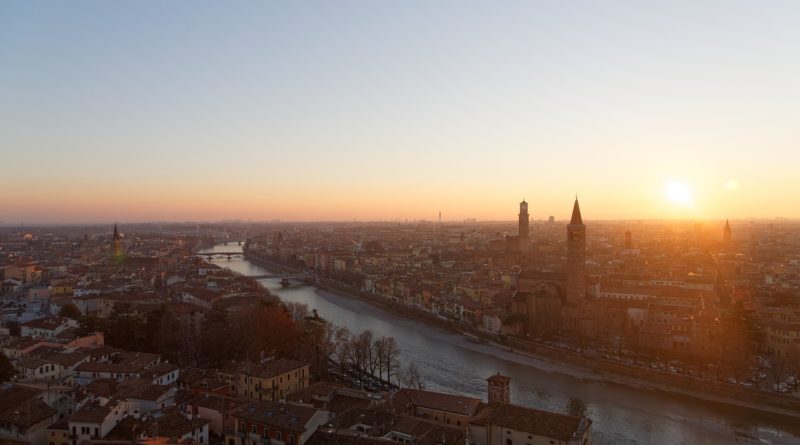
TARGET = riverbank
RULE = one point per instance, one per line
(576, 365)
(606, 371)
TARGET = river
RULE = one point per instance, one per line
(453, 363)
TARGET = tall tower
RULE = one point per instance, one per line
(524, 228)
(499, 389)
(576, 257)
(726, 232)
(116, 246)
(628, 240)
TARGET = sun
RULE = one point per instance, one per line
(678, 193)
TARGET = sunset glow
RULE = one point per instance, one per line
(679, 193)
(360, 119)
(433, 222)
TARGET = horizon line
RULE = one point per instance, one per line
(382, 221)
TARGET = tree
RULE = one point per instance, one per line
(410, 377)
(298, 311)
(165, 336)
(326, 338)
(126, 331)
(70, 311)
(343, 350)
(219, 343)
(266, 330)
(364, 352)
(7, 371)
(14, 329)
(388, 351)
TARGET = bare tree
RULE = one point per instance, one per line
(380, 348)
(389, 352)
(363, 353)
(343, 349)
(410, 377)
(298, 311)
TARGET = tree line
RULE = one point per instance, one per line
(267, 328)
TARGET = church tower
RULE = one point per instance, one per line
(576, 257)
(116, 246)
(499, 389)
(726, 232)
(524, 228)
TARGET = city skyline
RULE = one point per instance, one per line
(259, 112)
(432, 222)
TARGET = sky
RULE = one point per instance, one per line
(204, 111)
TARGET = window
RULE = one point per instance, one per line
(253, 428)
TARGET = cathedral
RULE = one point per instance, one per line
(554, 302)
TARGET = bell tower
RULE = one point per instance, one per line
(499, 389)
(524, 228)
(576, 256)
(726, 232)
(116, 246)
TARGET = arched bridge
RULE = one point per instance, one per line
(287, 276)
(229, 255)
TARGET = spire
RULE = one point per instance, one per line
(116, 232)
(727, 225)
(576, 213)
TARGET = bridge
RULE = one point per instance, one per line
(229, 255)
(283, 276)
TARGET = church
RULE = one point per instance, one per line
(118, 257)
(552, 302)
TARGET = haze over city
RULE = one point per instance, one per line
(449, 222)
(386, 111)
